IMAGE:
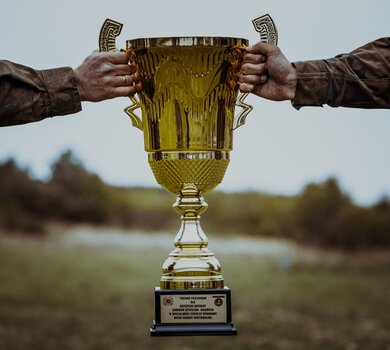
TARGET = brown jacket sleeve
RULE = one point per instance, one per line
(28, 95)
(359, 79)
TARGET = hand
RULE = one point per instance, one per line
(267, 73)
(105, 75)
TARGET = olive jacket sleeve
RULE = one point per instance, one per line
(28, 95)
(358, 79)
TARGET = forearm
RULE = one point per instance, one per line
(27, 95)
(360, 79)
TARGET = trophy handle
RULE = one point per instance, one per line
(239, 119)
(135, 119)
(108, 33)
(107, 37)
(268, 34)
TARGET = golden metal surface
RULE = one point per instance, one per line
(145, 43)
(191, 265)
(173, 169)
(188, 92)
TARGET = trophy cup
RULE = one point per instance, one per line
(188, 98)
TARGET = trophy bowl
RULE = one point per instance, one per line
(187, 101)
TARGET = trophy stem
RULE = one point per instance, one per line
(191, 265)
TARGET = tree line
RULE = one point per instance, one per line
(321, 214)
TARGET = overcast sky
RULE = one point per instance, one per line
(279, 149)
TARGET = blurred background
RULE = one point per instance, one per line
(301, 222)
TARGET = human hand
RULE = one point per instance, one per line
(267, 73)
(106, 75)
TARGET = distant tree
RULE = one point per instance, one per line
(383, 204)
(21, 199)
(317, 210)
(78, 194)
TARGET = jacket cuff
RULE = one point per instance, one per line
(62, 90)
(312, 84)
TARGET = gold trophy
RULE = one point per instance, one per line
(188, 98)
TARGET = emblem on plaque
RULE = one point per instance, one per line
(167, 301)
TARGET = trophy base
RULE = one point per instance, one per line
(192, 312)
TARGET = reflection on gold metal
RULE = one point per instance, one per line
(189, 89)
(188, 98)
(191, 265)
(173, 169)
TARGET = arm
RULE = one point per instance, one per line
(360, 79)
(28, 95)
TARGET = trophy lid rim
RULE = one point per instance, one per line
(141, 43)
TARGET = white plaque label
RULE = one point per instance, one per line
(193, 308)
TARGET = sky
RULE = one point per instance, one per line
(279, 149)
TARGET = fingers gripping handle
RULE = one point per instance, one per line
(268, 34)
(107, 37)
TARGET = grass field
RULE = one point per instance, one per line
(57, 296)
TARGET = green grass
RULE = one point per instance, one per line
(54, 296)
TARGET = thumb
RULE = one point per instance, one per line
(261, 48)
